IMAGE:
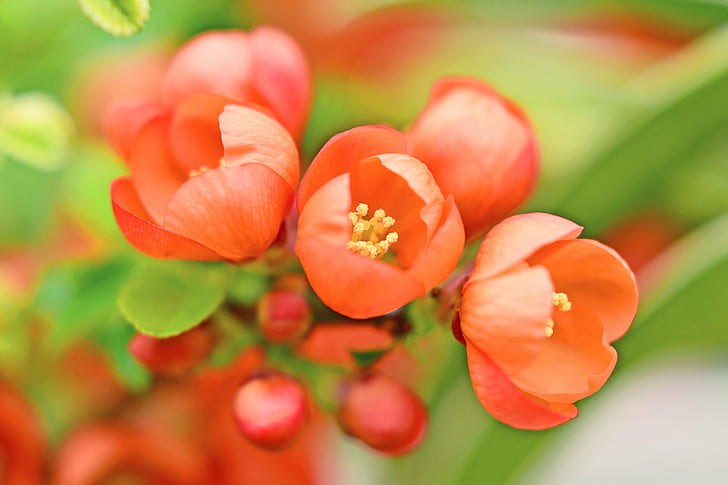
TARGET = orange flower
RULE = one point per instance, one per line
(265, 67)
(210, 180)
(374, 231)
(480, 148)
(22, 446)
(538, 315)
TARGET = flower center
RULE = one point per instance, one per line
(370, 237)
(205, 168)
(561, 301)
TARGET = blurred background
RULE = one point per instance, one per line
(630, 103)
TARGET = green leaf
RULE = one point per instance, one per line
(248, 284)
(367, 358)
(117, 17)
(167, 298)
(80, 299)
(26, 197)
(113, 339)
(34, 130)
(635, 165)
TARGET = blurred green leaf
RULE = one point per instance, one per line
(34, 130)
(113, 339)
(26, 197)
(165, 299)
(367, 358)
(636, 164)
(117, 17)
(80, 299)
(248, 284)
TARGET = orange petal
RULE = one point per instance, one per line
(381, 188)
(153, 168)
(343, 151)
(332, 343)
(441, 256)
(595, 276)
(517, 237)
(501, 398)
(213, 62)
(505, 316)
(122, 123)
(147, 237)
(573, 363)
(324, 218)
(195, 132)
(281, 76)
(354, 285)
(250, 136)
(237, 211)
(479, 147)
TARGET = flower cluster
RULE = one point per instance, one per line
(379, 218)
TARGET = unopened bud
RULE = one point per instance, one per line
(271, 410)
(173, 356)
(284, 315)
(383, 414)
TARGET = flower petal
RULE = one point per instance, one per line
(480, 148)
(147, 237)
(415, 204)
(595, 276)
(332, 343)
(195, 132)
(325, 216)
(441, 256)
(354, 285)
(122, 123)
(573, 363)
(250, 136)
(281, 76)
(213, 62)
(505, 316)
(517, 237)
(501, 398)
(343, 151)
(237, 211)
(153, 168)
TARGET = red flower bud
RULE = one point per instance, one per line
(172, 356)
(270, 410)
(383, 414)
(283, 315)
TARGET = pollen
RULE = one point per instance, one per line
(549, 329)
(371, 237)
(205, 168)
(561, 301)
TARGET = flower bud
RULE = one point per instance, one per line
(383, 414)
(173, 356)
(283, 315)
(270, 410)
(479, 147)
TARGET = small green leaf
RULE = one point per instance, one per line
(117, 17)
(367, 358)
(34, 130)
(165, 299)
(421, 313)
(248, 284)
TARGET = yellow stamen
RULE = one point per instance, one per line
(561, 301)
(549, 329)
(370, 237)
(205, 168)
